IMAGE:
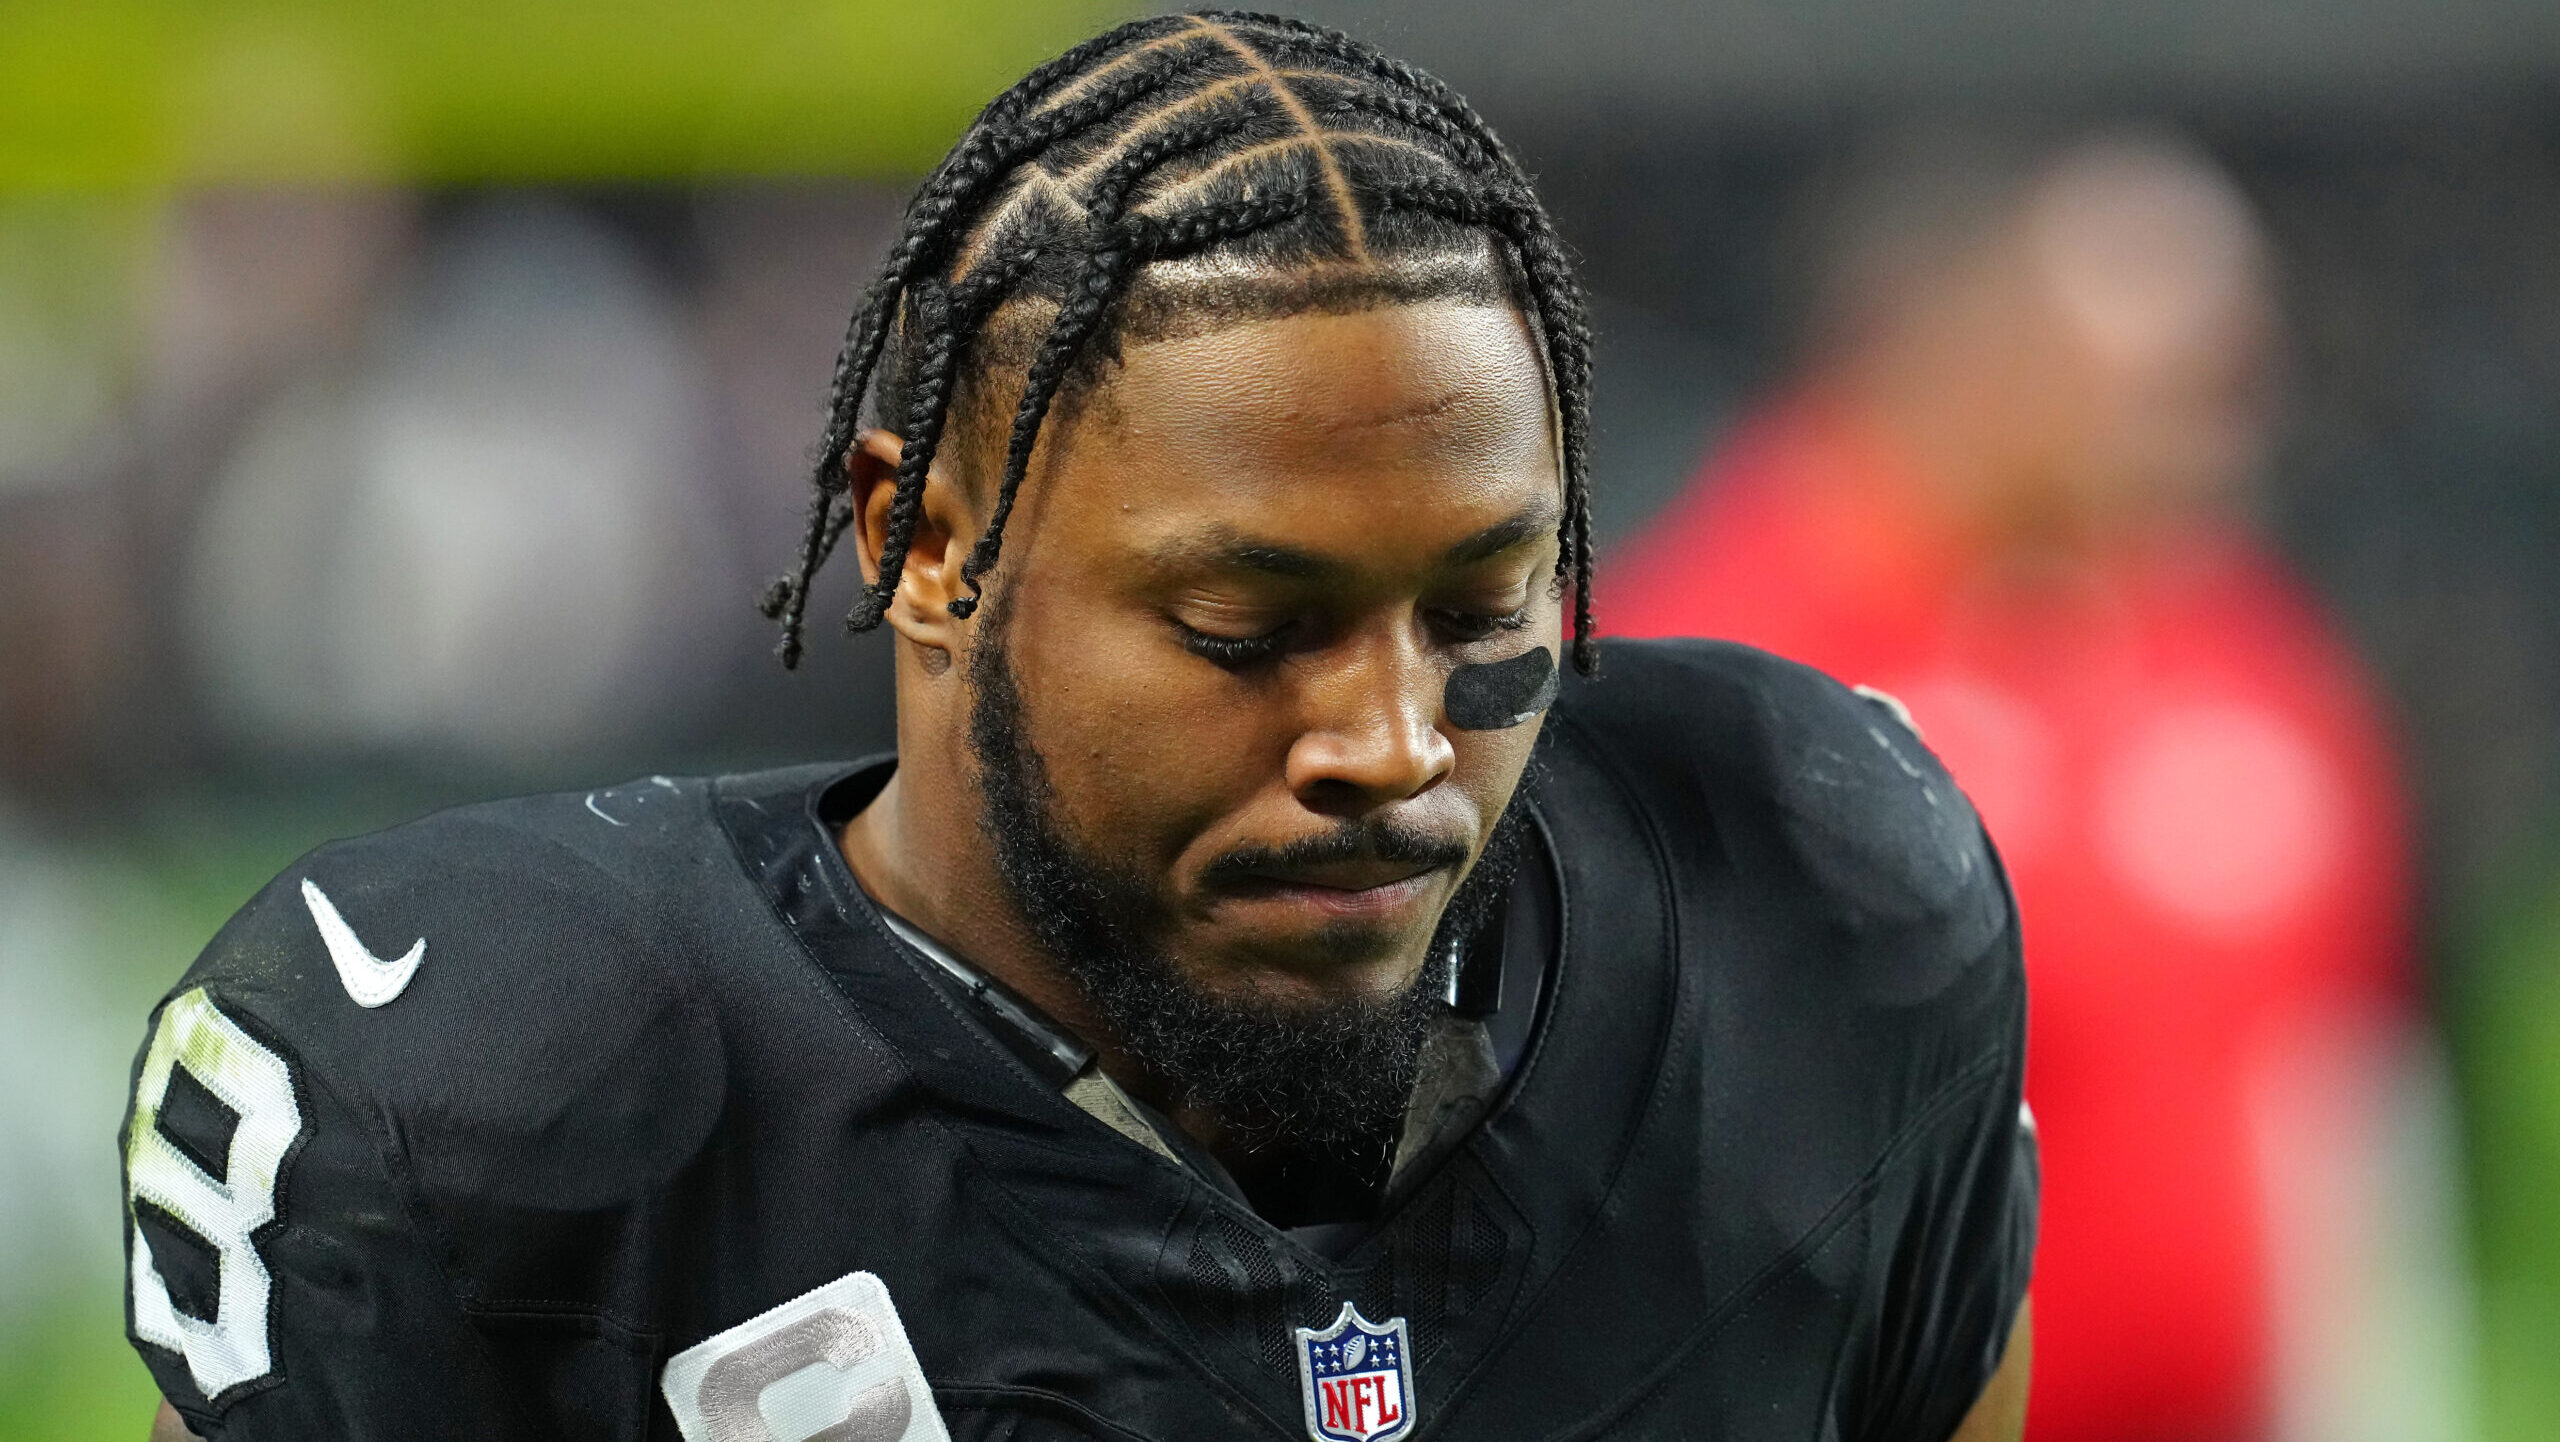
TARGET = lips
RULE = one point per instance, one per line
(1368, 891)
(1372, 871)
(1381, 902)
(1359, 875)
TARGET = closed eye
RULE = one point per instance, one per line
(1235, 653)
(1464, 627)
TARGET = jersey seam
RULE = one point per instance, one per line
(1820, 1239)
(999, 1394)
(1375, 1248)
(860, 906)
(625, 1332)
(1854, 1200)
(809, 968)
(1654, 1100)
(1099, 1277)
(1535, 1050)
(869, 915)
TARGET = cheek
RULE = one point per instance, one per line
(1490, 764)
(1145, 747)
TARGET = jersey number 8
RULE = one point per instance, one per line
(219, 1190)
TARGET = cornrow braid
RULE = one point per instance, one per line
(1105, 269)
(1292, 153)
(1399, 77)
(929, 407)
(1075, 64)
(984, 154)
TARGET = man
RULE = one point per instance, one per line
(2005, 488)
(1235, 1011)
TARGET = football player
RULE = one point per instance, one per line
(1268, 994)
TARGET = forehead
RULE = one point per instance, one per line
(1439, 394)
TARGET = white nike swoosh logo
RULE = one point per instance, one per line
(370, 981)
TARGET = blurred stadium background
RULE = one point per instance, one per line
(400, 403)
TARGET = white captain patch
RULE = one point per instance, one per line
(832, 1364)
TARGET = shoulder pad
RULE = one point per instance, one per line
(1863, 807)
(496, 986)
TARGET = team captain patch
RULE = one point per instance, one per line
(1356, 1379)
(833, 1364)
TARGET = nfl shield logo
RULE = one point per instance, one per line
(1356, 1379)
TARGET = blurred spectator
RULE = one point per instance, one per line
(488, 534)
(2007, 488)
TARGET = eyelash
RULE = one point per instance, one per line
(1237, 652)
(1511, 621)
(1232, 652)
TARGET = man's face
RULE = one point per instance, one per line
(1232, 594)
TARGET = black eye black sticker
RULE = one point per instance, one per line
(1496, 694)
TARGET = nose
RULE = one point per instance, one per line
(1371, 734)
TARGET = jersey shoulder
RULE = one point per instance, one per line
(1780, 761)
(504, 985)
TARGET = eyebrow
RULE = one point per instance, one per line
(1230, 549)
(1528, 523)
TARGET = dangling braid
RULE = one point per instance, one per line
(1265, 140)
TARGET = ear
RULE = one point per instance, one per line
(930, 577)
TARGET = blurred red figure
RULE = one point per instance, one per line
(2003, 491)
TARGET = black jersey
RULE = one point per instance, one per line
(625, 1115)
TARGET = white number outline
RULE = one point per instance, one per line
(228, 1211)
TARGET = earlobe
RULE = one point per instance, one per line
(926, 560)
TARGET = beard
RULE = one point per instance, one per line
(1309, 1087)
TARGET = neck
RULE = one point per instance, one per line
(918, 850)
(926, 860)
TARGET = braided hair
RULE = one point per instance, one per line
(1174, 174)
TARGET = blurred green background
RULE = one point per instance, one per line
(2504, 1026)
(119, 93)
(263, 264)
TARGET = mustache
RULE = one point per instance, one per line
(1372, 839)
